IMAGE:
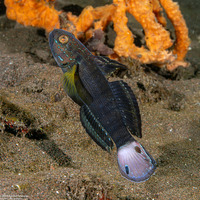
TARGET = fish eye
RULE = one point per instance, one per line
(63, 39)
(137, 149)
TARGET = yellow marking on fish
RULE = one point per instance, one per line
(69, 81)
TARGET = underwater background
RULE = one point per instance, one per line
(45, 153)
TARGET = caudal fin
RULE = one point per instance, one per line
(135, 163)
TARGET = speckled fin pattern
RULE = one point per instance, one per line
(127, 104)
(95, 129)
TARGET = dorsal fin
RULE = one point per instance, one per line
(128, 106)
(95, 129)
(108, 66)
(74, 87)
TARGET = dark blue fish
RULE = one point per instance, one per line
(109, 111)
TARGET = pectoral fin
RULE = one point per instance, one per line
(95, 129)
(128, 106)
(74, 87)
(108, 66)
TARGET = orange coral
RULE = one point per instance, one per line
(149, 13)
(158, 11)
(157, 38)
(156, 41)
(89, 15)
(33, 13)
(182, 40)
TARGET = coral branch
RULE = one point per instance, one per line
(84, 21)
(158, 11)
(181, 30)
(124, 39)
(157, 38)
(88, 15)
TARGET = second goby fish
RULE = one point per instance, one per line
(109, 111)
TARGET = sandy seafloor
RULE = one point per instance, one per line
(56, 159)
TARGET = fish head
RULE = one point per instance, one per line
(63, 45)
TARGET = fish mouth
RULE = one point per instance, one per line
(51, 37)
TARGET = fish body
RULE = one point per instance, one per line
(109, 111)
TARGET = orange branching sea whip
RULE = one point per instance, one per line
(160, 49)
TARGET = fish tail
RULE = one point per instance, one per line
(134, 162)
